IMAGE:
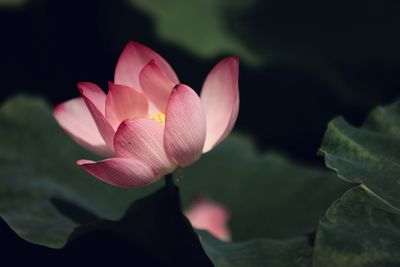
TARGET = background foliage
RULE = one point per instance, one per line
(302, 63)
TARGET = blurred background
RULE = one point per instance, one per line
(302, 63)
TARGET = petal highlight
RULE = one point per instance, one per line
(142, 139)
(75, 119)
(156, 85)
(220, 98)
(123, 102)
(185, 126)
(119, 172)
(92, 95)
(132, 60)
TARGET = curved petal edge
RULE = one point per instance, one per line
(120, 172)
(156, 85)
(185, 126)
(142, 139)
(75, 119)
(132, 60)
(123, 102)
(95, 100)
(220, 98)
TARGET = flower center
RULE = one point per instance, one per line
(158, 117)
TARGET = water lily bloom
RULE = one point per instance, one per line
(148, 123)
(210, 216)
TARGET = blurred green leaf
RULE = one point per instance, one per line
(284, 31)
(359, 230)
(197, 26)
(44, 196)
(13, 3)
(351, 47)
(267, 194)
(38, 173)
(316, 31)
(370, 154)
(259, 252)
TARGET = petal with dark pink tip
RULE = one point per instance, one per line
(156, 85)
(74, 117)
(123, 102)
(142, 139)
(132, 60)
(220, 98)
(185, 126)
(120, 172)
(95, 100)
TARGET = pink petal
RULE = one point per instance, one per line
(95, 99)
(94, 94)
(74, 117)
(185, 126)
(156, 85)
(123, 102)
(142, 139)
(210, 216)
(120, 172)
(220, 98)
(132, 60)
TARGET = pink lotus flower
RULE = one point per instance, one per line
(149, 123)
(210, 216)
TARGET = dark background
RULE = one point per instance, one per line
(286, 101)
(315, 61)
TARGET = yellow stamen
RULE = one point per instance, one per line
(158, 117)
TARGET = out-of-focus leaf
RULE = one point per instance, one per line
(363, 227)
(350, 48)
(344, 32)
(359, 230)
(156, 225)
(44, 196)
(39, 178)
(285, 31)
(370, 154)
(13, 3)
(267, 194)
(197, 26)
(259, 252)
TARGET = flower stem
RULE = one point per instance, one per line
(169, 181)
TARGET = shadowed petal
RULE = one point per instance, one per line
(220, 98)
(132, 60)
(156, 85)
(123, 102)
(74, 117)
(185, 126)
(95, 99)
(142, 139)
(119, 172)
